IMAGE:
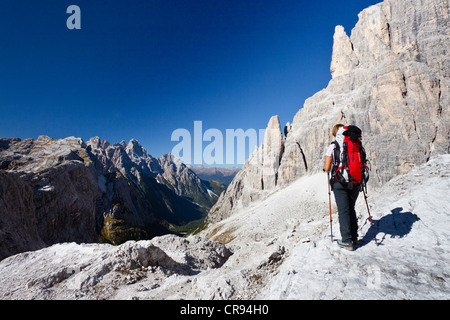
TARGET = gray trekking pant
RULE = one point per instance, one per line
(345, 201)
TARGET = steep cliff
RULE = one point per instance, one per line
(18, 227)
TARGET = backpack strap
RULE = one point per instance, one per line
(336, 159)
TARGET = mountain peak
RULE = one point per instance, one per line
(344, 58)
(168, 157)
(96, 143)
(134, 147)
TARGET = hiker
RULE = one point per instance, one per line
(345, 187)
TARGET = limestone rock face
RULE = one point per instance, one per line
(397, 93)
(18, 228)
(271, 153)
(64, 198)
(391, 78)
(57, 197)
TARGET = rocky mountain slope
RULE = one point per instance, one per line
(67, 190)
(277, 248)
(391, 78)
(404, 256)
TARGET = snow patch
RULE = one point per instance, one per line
(47, 188)
(212, 194)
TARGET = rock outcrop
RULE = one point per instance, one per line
(344, 58)
(391, 78)
(95, 271)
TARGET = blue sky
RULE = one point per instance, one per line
(143, 68)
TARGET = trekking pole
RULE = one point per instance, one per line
(329, 202)
(370, 217)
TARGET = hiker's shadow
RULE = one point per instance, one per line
(396, 224)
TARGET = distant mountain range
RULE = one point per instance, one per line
(69, 190)
(223, 175)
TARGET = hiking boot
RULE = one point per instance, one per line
(348, 245)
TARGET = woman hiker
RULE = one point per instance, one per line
(345, 199)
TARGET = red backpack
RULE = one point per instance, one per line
(349, 159)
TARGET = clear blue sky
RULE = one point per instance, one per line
(143, 68)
